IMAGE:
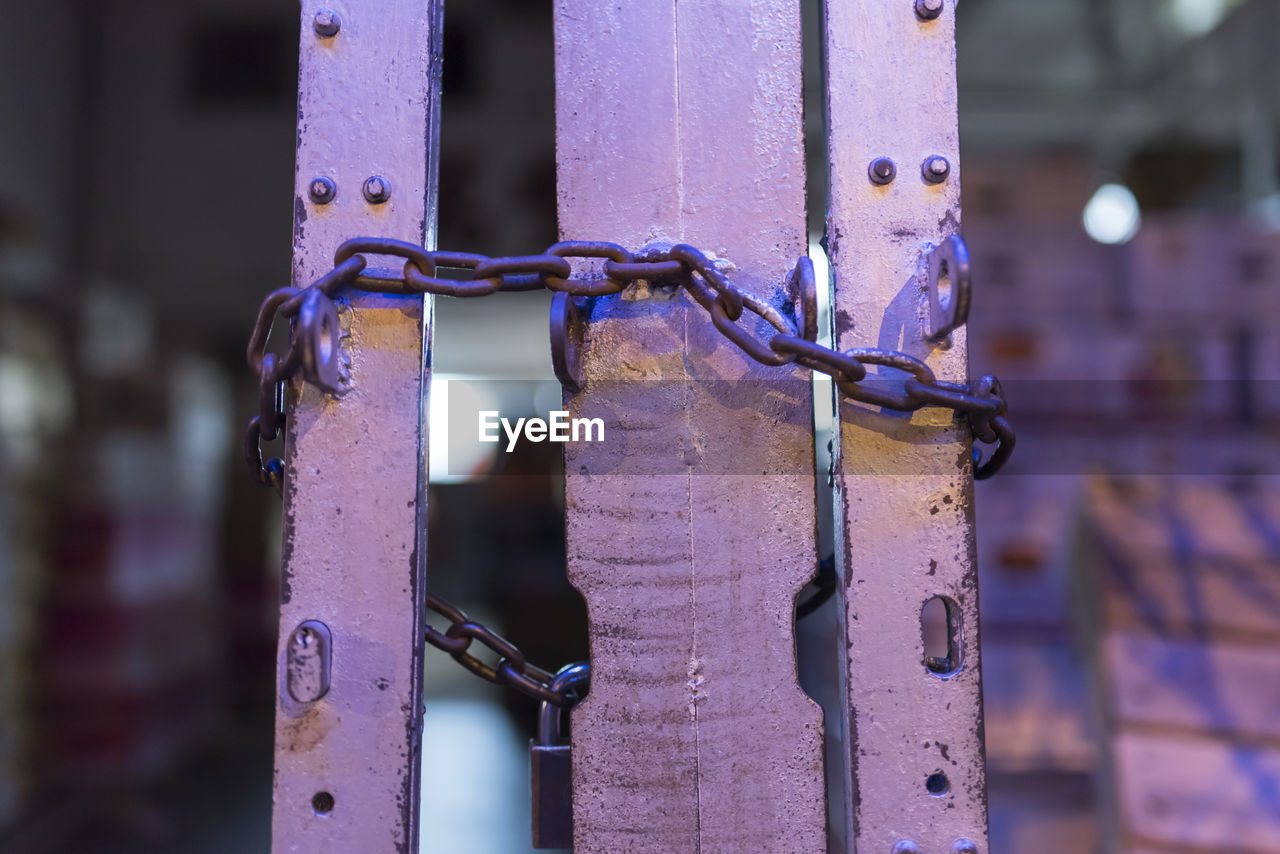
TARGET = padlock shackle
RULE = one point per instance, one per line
(575, 678)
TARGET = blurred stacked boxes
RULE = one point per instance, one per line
(34, 388)
(1154, 357)
(1181, 600)
(131, 650)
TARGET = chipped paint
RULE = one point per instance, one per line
(355, 465)
(696, 735)
(905, 481)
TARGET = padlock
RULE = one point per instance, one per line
(550, 780)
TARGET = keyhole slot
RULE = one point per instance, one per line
(940, 634)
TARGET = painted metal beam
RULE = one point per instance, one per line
(691, 528)
(347, 746)
(915, 746)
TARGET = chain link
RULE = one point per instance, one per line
(510, 670)
(314, 352)
(313, 347)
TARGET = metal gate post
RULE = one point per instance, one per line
(915, 742)
(351, 624)
(691, 528)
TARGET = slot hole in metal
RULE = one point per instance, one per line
(940, 633)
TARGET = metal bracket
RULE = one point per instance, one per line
(317, 327)
(568, 323)
(949, 263)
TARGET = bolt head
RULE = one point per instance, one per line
(906, 846)
(965, 846)
(376, 190)
(935, 169)
(327, 23)
(881, 171)
(322, 190)
(927, 10)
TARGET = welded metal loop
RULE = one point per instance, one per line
(804, 290)
(316, 340)
(949, 260)
(567, 326)
(270, 399)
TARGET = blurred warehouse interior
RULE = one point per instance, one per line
(1122, 204)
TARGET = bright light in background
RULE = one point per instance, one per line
(1112, 215)
(1265, 213)
(1197, 17)
(456, 462)
(823, 416)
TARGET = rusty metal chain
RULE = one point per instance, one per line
(511, 668)
(314, 345)
(514, 671)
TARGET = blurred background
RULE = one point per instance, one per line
(1122, 206)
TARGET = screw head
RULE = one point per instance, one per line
(376, 190)
(881, 171)
(935, 169)
(322, 190)
(327, 23)
(927, 10)
(906, 846)
(965, 846)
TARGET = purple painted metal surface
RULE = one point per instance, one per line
(347, 764)
(690, 537)
(915, 742)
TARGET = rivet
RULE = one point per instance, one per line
(965, 846)
(376, 190)
(935, 169)
(322, 190)
(906, 846)
(327, 23)
(927, 10)
(881, 171)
